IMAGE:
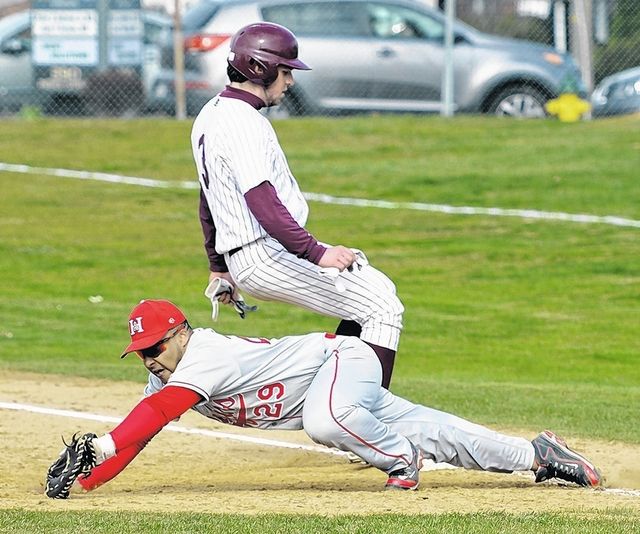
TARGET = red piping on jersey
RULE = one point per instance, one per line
(361, 440)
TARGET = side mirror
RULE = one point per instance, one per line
(14, 46)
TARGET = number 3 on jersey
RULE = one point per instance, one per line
(270, 392)
(205, 173)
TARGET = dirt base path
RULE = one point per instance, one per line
(195, 473)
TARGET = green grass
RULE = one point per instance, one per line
(540, 314)
(16, 521)
(509, 322)
(587, 166)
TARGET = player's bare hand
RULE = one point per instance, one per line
(225, 298)
(340, 257)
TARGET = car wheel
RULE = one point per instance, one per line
(520, 101)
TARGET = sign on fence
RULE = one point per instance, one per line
(73, 39)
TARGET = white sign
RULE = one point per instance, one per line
(64, 22)
(533, 8)
(63, 79)
(125, 52)
(51, 51)
(125, 23)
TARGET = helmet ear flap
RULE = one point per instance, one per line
(266, 73)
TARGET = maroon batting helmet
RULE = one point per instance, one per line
(265, 45)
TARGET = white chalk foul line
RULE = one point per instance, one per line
(427, 466)
(346, 201)
(171, 427)
(469, 210)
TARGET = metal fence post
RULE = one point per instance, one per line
(583, 48)
(448, 75)
(560, 25)
(178, 62)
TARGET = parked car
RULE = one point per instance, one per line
(17, 78)
(16, 73)
(617, 94)
(379, 55)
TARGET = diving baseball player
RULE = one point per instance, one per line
(327, 385)
(253, 212)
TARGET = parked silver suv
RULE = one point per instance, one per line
(379, 55)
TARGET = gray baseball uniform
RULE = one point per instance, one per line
(329, 385)
(245, 178)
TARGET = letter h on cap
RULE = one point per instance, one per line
(135, 326)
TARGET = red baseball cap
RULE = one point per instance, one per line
(150, 321)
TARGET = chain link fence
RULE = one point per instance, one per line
(507, 57)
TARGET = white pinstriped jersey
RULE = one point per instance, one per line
(253, 382)
(235, 149)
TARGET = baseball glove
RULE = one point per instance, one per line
(78, 457)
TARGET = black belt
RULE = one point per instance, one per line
(234, 250)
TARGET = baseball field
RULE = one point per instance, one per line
(515, 247)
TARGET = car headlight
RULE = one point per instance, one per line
(632, 88)
(553, 58)
(599, 96)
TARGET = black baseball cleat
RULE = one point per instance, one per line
(557, 460)
(407, 478)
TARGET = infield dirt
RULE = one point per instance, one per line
(194, 473)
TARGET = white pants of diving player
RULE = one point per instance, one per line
(266, 270)
(346, 408)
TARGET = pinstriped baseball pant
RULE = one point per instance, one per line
(349, 410)
(265, 270)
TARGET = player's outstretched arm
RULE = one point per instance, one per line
(108, 469)
(89, 452)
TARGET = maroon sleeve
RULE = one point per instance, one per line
(274, 217)
(152, 414)
(216, 261)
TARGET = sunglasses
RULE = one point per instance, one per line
(155, 350)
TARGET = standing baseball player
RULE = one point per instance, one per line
(327, 385)
(253, 212)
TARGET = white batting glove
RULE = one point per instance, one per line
(218, 287)
(334, 274)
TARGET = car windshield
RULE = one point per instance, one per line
(319, 18)
(14, 22)
(198, 16)
(385, 20)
